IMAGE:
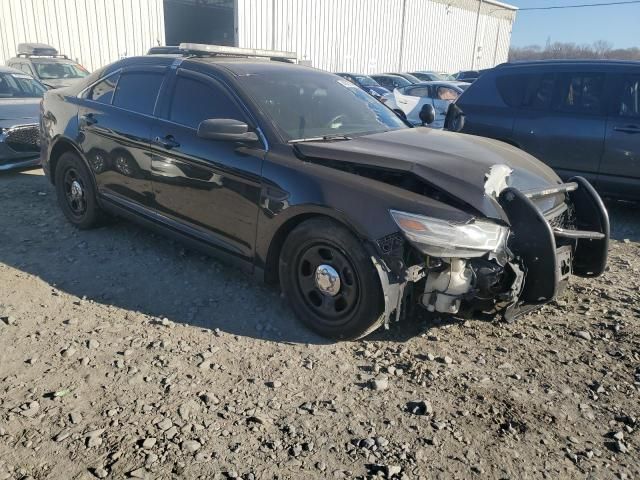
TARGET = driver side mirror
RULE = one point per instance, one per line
(427, 114)
(226, 129)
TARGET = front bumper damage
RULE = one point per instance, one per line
(543, 250)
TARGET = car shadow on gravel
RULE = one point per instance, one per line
(136, 270)
(625, 220)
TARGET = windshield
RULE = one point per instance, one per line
(367, 81)
(399, 81)
(19, 85)
(306, 103)
(54, 71)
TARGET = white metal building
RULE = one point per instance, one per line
(363, 36)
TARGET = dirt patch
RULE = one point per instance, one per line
(123, 354)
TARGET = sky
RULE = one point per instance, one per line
(617, 24)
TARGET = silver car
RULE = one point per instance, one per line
(20, 97)
(412, 98)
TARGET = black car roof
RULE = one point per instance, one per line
(236, 65)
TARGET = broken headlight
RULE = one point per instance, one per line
(440, 238)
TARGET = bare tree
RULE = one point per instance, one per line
(561, 50)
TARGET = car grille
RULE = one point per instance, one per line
(23, 138)
(562, 217)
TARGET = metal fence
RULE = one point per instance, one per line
(380, 35)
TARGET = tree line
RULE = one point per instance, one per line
(559, 50)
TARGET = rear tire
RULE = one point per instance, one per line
(330, 280)
(76, 193)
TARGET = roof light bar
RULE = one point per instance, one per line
(234, 51)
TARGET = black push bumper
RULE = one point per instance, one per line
(548, 254)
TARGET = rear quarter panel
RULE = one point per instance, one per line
(485, 112)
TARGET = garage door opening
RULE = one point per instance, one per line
(199, 21)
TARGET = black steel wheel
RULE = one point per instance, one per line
(76, 193)
(330, 281)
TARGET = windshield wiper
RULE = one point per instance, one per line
(324, 138)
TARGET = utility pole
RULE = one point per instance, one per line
(475, 36)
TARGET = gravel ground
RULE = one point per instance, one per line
(123, 354)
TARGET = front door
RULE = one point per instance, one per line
(620, 167)
(411, 99)
(209, 188)
(114, 122)
(443, 96)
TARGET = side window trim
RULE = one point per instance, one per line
(224, 86)
(147, 68)
(212, 82)
(85, 91)
(163, 69)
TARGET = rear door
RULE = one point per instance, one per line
(115, 121)
(443, 96)
(210, 188)
(563, 122)
(411, 99)
(620, 167)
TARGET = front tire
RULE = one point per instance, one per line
(330, 281)
(76, 193)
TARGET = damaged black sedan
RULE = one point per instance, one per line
(304, 179)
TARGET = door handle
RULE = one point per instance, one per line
(88, 119)
(627, 129)
(168, 142)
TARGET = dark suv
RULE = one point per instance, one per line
(306, 180)
(579, 117)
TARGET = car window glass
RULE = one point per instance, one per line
(137, 91)
(307, 103)
(19, 85)
(580, 92)
(26, 69)
(512, 88)
(194, 101)
(445, 93)
(418, 92)
(103, 91)
(539, 91)
(628, 104)
(49, 70)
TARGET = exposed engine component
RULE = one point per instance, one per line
(445, 287)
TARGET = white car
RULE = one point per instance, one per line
(412, 98)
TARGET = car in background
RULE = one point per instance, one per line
(579, 117)
(366, 83)
(429, 76)
(20, 96)
(307, 181)
(406, 76)
(390, 82)
(412, 98)
(468, 76)
(43, 62)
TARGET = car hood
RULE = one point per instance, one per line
(18, 111)
(59, 82)
(454, 163)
